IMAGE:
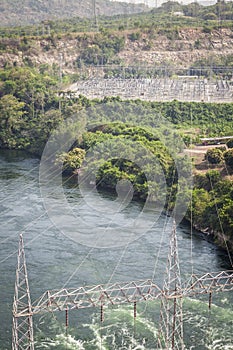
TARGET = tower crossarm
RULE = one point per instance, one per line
(96, 296)
(128, 292)
(209, 282)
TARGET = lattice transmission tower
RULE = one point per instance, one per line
(95, 16)
(65, 299)
(22, 327)
(171, 315)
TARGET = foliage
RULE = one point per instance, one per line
(228, 157)
(214, 156)
(11, 119)
(122, 152)
(72, 160)
(210, 16)
(195, 15)
(37, 89)
(229, 143)
(29, 108)
(100, 49)
(134, 36)
(212, 207)
(114, 156)
(214, 64)
(15, 12)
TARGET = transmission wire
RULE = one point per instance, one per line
(166, 221)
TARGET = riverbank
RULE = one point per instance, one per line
(217, 238)
(210, 211)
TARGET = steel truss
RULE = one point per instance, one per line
(171, 312)
(171, 295)
(128, 292)
(22, 327)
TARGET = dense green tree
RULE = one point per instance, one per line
(72, 160)
(212, 205)
(230, 143)
(228, 157)
(214, 156)
(11, 121)
(200, 202)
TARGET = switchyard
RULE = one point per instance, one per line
(155, 89)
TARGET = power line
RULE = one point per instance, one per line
(171, 295)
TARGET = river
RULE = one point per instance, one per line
(54, 261)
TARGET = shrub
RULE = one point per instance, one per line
(134, 36)
(210, 16)
(228, 157)
(197, 44)
(221, 148)
(207, 29)
(213, 176)
(230, 143)
(72, 160)
(214, 156)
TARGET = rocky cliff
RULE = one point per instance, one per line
(186, 48)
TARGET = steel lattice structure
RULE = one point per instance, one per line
(153, 89)
(171, 313)
(22, 327)
(128, 292)
(115, 294)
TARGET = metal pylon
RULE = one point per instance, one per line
(22, 327)
(171, 318)
(95, 16)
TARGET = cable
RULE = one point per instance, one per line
(166, 221)
(88, 254)
(36, 219)
(25, 245)
(39, 217)
(51, 156)
(19, 192)
(124, 251)
(120, 259)
(13, 195)
(25, 227)
(191, 204)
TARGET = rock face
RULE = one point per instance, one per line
(189, 46)
(23, 12)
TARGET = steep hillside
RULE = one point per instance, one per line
(23, 12)
(182, 48)
(185, 48)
